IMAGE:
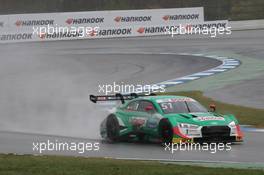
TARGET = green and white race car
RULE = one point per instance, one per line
(168, 119)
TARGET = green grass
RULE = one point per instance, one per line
(56, 165)
(245, 115)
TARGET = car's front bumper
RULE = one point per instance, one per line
(219, 139)
(208, 134)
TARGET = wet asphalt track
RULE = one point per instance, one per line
(250, 151)
(45, 87)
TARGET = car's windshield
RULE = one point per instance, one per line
(184, 105)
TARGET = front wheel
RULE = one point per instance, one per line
(166, 131)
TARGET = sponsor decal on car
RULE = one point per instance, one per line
(209, 118)
(173, 100)
(152, 122)
(138, 121)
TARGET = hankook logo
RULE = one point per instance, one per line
(84, 20)
(132, 18)
(20, 23)
(180, 17)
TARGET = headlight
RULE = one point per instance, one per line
(233, 128)
(188, 126)
(190, 130)
(232, 124)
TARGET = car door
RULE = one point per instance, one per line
(133, 117)
(150, 116)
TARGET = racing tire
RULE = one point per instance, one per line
(112, 128)
(141, 137)
(165, 131)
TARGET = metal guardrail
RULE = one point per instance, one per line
(247, 25)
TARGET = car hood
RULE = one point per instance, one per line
(202, 119)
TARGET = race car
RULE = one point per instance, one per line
(166, 118)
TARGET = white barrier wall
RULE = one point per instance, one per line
(104, 24)
(3, 23)
(107, 18)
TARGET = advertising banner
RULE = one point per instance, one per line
(95, 24)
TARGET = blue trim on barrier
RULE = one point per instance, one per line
(248, 128)
(227, 64)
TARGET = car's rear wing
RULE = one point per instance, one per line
(118, 96)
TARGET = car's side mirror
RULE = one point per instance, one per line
(149, 108)
(212, 107)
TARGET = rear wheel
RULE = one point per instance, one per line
(112, 128)
(166, 131)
